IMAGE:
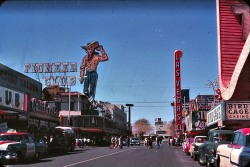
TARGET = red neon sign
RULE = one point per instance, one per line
(178, 104)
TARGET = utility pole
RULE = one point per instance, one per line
(129, 113)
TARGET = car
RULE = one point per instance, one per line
(198, 140)
(18, 146)
(135, 141)
(207, 150)
(236, 153)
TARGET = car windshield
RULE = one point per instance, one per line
(200, 140)
(16, 138)
(223, 137)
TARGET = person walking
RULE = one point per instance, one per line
(128, 141)
(120, 142)
(158, 141)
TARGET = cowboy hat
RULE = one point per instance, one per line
(94, 45)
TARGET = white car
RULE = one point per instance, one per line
(198, 140)
(237, 153)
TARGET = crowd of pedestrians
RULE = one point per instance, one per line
(119, 142)
(148, 141)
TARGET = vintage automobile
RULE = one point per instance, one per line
(18, 146)
(198, 140)
(135, 141)
(207, 150)
(237, 153)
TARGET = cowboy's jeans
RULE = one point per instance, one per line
(90, 83)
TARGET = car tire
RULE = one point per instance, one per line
(208, 164)
(195, 157)
(200, 162)
(36, 157)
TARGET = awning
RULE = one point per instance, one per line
(8, 115)
(94, 130)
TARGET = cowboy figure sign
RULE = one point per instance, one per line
(90, 62)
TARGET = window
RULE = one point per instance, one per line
(72, 106)
(236, 138)
(248, 140)
(241, 139)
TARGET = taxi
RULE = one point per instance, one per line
(18, 146)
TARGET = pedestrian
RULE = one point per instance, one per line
(150, 142)
(128, 141)
(90, 63)
(158, 141)
(120, 142)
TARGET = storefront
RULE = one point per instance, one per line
(230, 115)
(21, 107)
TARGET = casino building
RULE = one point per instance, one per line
(21, 105)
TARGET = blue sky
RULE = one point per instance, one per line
(140, 38)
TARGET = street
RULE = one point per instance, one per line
(133, 156)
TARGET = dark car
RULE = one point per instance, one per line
(207, 150)
(135, 141)
(18, 146)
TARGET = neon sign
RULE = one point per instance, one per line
(178, 103)
(51, 68)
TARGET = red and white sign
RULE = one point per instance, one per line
(178, 104)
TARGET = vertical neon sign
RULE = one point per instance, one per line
(178, 104)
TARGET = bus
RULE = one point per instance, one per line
(63, 139)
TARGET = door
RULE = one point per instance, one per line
(30, 146)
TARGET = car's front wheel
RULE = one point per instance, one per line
(201, 162)
(208, 164)
(195, 157)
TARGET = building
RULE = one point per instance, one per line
(21, 104)
(161, 128)
(99, 124)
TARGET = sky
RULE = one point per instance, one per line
(139, 36)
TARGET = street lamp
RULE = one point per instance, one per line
(129, 113)
(69, 89)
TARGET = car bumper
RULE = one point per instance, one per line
(8, 156)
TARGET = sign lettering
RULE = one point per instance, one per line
(178, 104)
(11, 98)
(238, 110)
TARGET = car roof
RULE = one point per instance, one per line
(245, 131)
(200, 137)
(13, 133)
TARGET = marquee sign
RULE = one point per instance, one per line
(214, 115)
(178, 101)
(237, 110)
(51, 69)
(12, 99)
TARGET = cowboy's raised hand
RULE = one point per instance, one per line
(99, 47)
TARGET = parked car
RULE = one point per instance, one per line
(188, 145)
(135, 141)
(237, 153)
(207, 150)
(198, 140)
(18, 146)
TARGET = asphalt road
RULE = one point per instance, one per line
(133, 156)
